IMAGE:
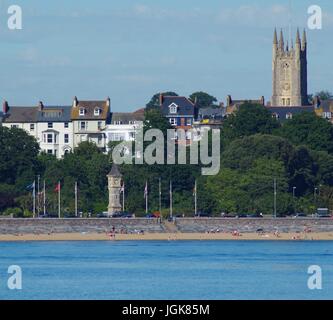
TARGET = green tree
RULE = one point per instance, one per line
(249, 120)
(18, 157)
(204, 100)
(310, 130)
(155, 100)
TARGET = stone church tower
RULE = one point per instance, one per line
(290, 86)
(114, 185)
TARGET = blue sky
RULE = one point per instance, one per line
(130, 49)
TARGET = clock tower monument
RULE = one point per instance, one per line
(114, 185)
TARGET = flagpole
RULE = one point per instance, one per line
(160, 195)
(147, 198)
(123, 196)
(171, 208)
(196, 198)
(59, 199)
(76, 206)
(34, 200)
(38, 195)
(44, 198)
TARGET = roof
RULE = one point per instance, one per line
(55, 114)
(282, 112)
(211, 112)
(21, 114)
(185, 106)
(326, 105)
(90, 107)
(126, 117)
(115, 171)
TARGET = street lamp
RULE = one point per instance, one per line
(315, 199)
(294, 192)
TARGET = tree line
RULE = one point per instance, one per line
(255, 150)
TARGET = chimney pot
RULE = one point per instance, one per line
(5, 107)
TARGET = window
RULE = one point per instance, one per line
(50, 125)
(32, 127)
(173, 108)
(82, 111)
(131, 122)
(188, 135)
(118, 122)
(117, 137)
(173, 121)
(66, 138)
(49, 151)
(188, 121)
(49, 138)
(99, 125)
(83, 126)
(275, 115)
(288, 102)
(66, 125)
(289, 115)
(97, 111)
(14, 126)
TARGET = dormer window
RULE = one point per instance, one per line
(97, 112)
(82, 111)
(173, 108)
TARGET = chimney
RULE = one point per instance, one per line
(161, 99)
(75, 102)
(229, 100)
(262, 100)
(5, 107)
(108, 102)
(40, 106)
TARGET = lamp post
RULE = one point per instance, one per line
(294, 192)
(315, 199)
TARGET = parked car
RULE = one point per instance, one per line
(102, 215)
(202, 214)
(300, 215)
(122, 214)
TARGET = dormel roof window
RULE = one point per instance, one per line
(82, 111)
(173, 108)
(97, 111)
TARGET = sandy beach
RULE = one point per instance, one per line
(166, 237)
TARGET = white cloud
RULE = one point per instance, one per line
(253, 15)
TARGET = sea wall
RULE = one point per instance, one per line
(253, 225)
(185, 225)
(44, 226)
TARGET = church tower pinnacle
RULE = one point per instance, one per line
(289, 71)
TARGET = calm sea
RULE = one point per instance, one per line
(167, 270)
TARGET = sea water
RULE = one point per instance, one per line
(167, 270)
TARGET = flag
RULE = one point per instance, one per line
(195, 189)
(58, 187)
(146, 191)
(31, 186)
